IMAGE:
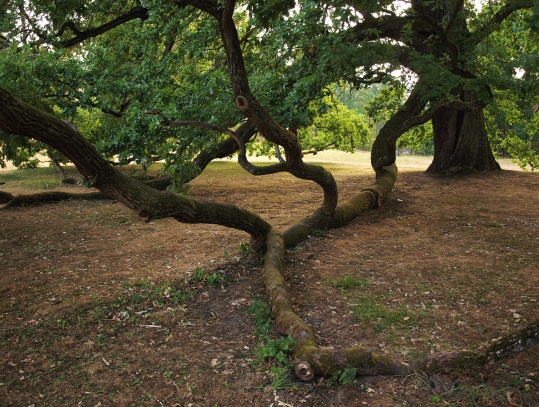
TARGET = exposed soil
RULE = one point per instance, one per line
(92, 308)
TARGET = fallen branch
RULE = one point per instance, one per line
(5, 197)
(48, 197)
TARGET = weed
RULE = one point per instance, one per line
(275, 352)
(101, 339)
(63, 323)
(348, 282)
(369, 310)
(199, 274)
(245, 249)
(261, 313)
(280, 378)
(346, 376)
(216, 279)
(168, 293)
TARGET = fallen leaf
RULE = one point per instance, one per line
(512, 401)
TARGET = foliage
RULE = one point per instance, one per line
(274, 353)
(170, 58)
(339, 127)
(386, 104)
(345, 376)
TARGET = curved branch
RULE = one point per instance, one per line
(267, 126)
(384, 147)
(226, 147)
(367, 198)
(17, 117)
(278, 154)
(80, 36)
(242, 155)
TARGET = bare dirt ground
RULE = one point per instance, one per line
(99, 309)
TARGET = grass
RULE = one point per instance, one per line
(348, 282)
(370, 310)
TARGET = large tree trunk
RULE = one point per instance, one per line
(461, 143)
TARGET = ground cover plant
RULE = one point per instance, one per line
(145, 324)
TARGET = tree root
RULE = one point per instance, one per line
(13, 201)
(368, 198)
(311, 360)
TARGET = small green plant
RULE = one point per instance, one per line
(199, 274)
(245, 249)
(278, 350)
(216, 279)
(120, 302)
(346, 376)
(63, 323)
(261, 313)
(101, 339)
(275, 352)
(168, 293)
(348, 282)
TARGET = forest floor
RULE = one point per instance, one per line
(100, 309)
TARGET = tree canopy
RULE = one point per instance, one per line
(101, 65)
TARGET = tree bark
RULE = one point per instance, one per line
(461, 143)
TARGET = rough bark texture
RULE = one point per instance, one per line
(267, 126)
(461, 143)
(367, 198)
(460, 139)
(5, 197)
(227, 147)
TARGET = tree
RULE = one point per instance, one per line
(340, 128)
(315, 59)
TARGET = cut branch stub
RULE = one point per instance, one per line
(242, 103)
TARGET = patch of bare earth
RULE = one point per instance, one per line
(91, 308)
